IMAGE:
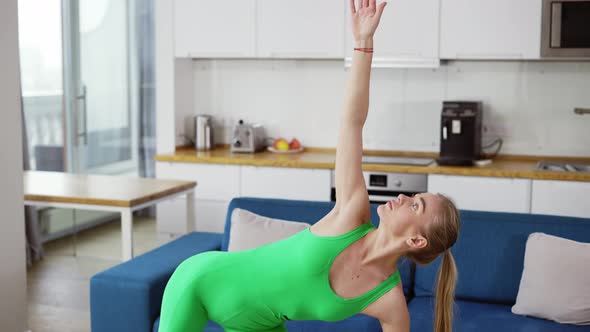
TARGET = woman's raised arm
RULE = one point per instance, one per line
(350, 185)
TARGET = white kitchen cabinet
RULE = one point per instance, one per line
(287, 183)
(215, 29)
(484, 193)
(408, 35)
(214, 181)
(483, 29)
(217, 185)
(209, 216)
(564, 198)
(300, 29)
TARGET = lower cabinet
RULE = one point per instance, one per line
(209, 216)
(218, 184)
(564, 198)
(287, 183)
(484, 193)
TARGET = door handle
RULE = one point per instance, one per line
(82, 115)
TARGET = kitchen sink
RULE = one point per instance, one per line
(563, 166)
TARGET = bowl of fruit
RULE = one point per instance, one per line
(281, 145)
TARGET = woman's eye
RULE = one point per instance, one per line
(415, 206)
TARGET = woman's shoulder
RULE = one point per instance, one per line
(338, 222)
(391, 307)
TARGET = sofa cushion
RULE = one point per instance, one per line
(482, 317)
(356, 323)
(489, 253)
(250, 230)
(555, 282)
(309, 212)
(305, 211)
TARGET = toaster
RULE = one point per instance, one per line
(248, 138)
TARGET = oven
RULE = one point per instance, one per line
(383, 186)
(565, 31)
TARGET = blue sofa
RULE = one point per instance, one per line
(489, 255)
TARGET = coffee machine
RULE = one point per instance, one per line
(460, 135)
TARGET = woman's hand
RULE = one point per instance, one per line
(366, 18)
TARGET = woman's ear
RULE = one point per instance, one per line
(416, 242)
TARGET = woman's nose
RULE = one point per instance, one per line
(401, 197)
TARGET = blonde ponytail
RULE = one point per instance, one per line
(445, 293)
(441, 234)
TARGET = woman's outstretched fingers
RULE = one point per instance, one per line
(352, 6)
(373, 4)
(380, 10)
(365, 3)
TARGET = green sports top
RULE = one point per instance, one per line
(259, 289)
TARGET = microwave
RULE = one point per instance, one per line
(565, 31)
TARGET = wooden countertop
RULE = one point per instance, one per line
(502, 166)
(103, 190)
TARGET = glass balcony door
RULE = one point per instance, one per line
(79, 86)
(99, 101)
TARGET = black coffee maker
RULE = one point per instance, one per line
(460, 135)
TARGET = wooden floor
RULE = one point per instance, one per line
(58, 285)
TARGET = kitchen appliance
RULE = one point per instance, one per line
(203, 132)
(460, 136)
(565, 30)
(382, 187)
(248, 138)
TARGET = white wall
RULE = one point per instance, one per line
(164, 80)
(529, 104)
(13, 309)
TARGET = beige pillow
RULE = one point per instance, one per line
(250, 230)
(555, 281)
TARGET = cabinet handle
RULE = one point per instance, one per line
(581, 111)
(298, 54)
(489, 56)
(220, 55)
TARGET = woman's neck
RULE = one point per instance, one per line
(381, 250)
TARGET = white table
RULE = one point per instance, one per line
(106, 193)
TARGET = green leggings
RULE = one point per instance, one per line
(183, 305)
(181, 308)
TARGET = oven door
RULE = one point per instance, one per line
(382, 187)
(565, 31)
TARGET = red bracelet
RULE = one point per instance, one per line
(365, 50)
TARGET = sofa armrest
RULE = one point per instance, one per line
(128, 297)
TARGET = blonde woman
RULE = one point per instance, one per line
(339, 267)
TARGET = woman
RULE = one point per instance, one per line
(340, 266)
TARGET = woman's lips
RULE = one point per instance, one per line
(392, 203)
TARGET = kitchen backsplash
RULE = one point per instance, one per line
(528, 104)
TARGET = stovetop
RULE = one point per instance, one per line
(397, 160)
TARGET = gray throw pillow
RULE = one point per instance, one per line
(555, 281)
(250, 230)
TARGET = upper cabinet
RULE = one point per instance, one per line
(407, 36)
(215, 29)
(412, 33)
(484, 29)
(300, 29)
